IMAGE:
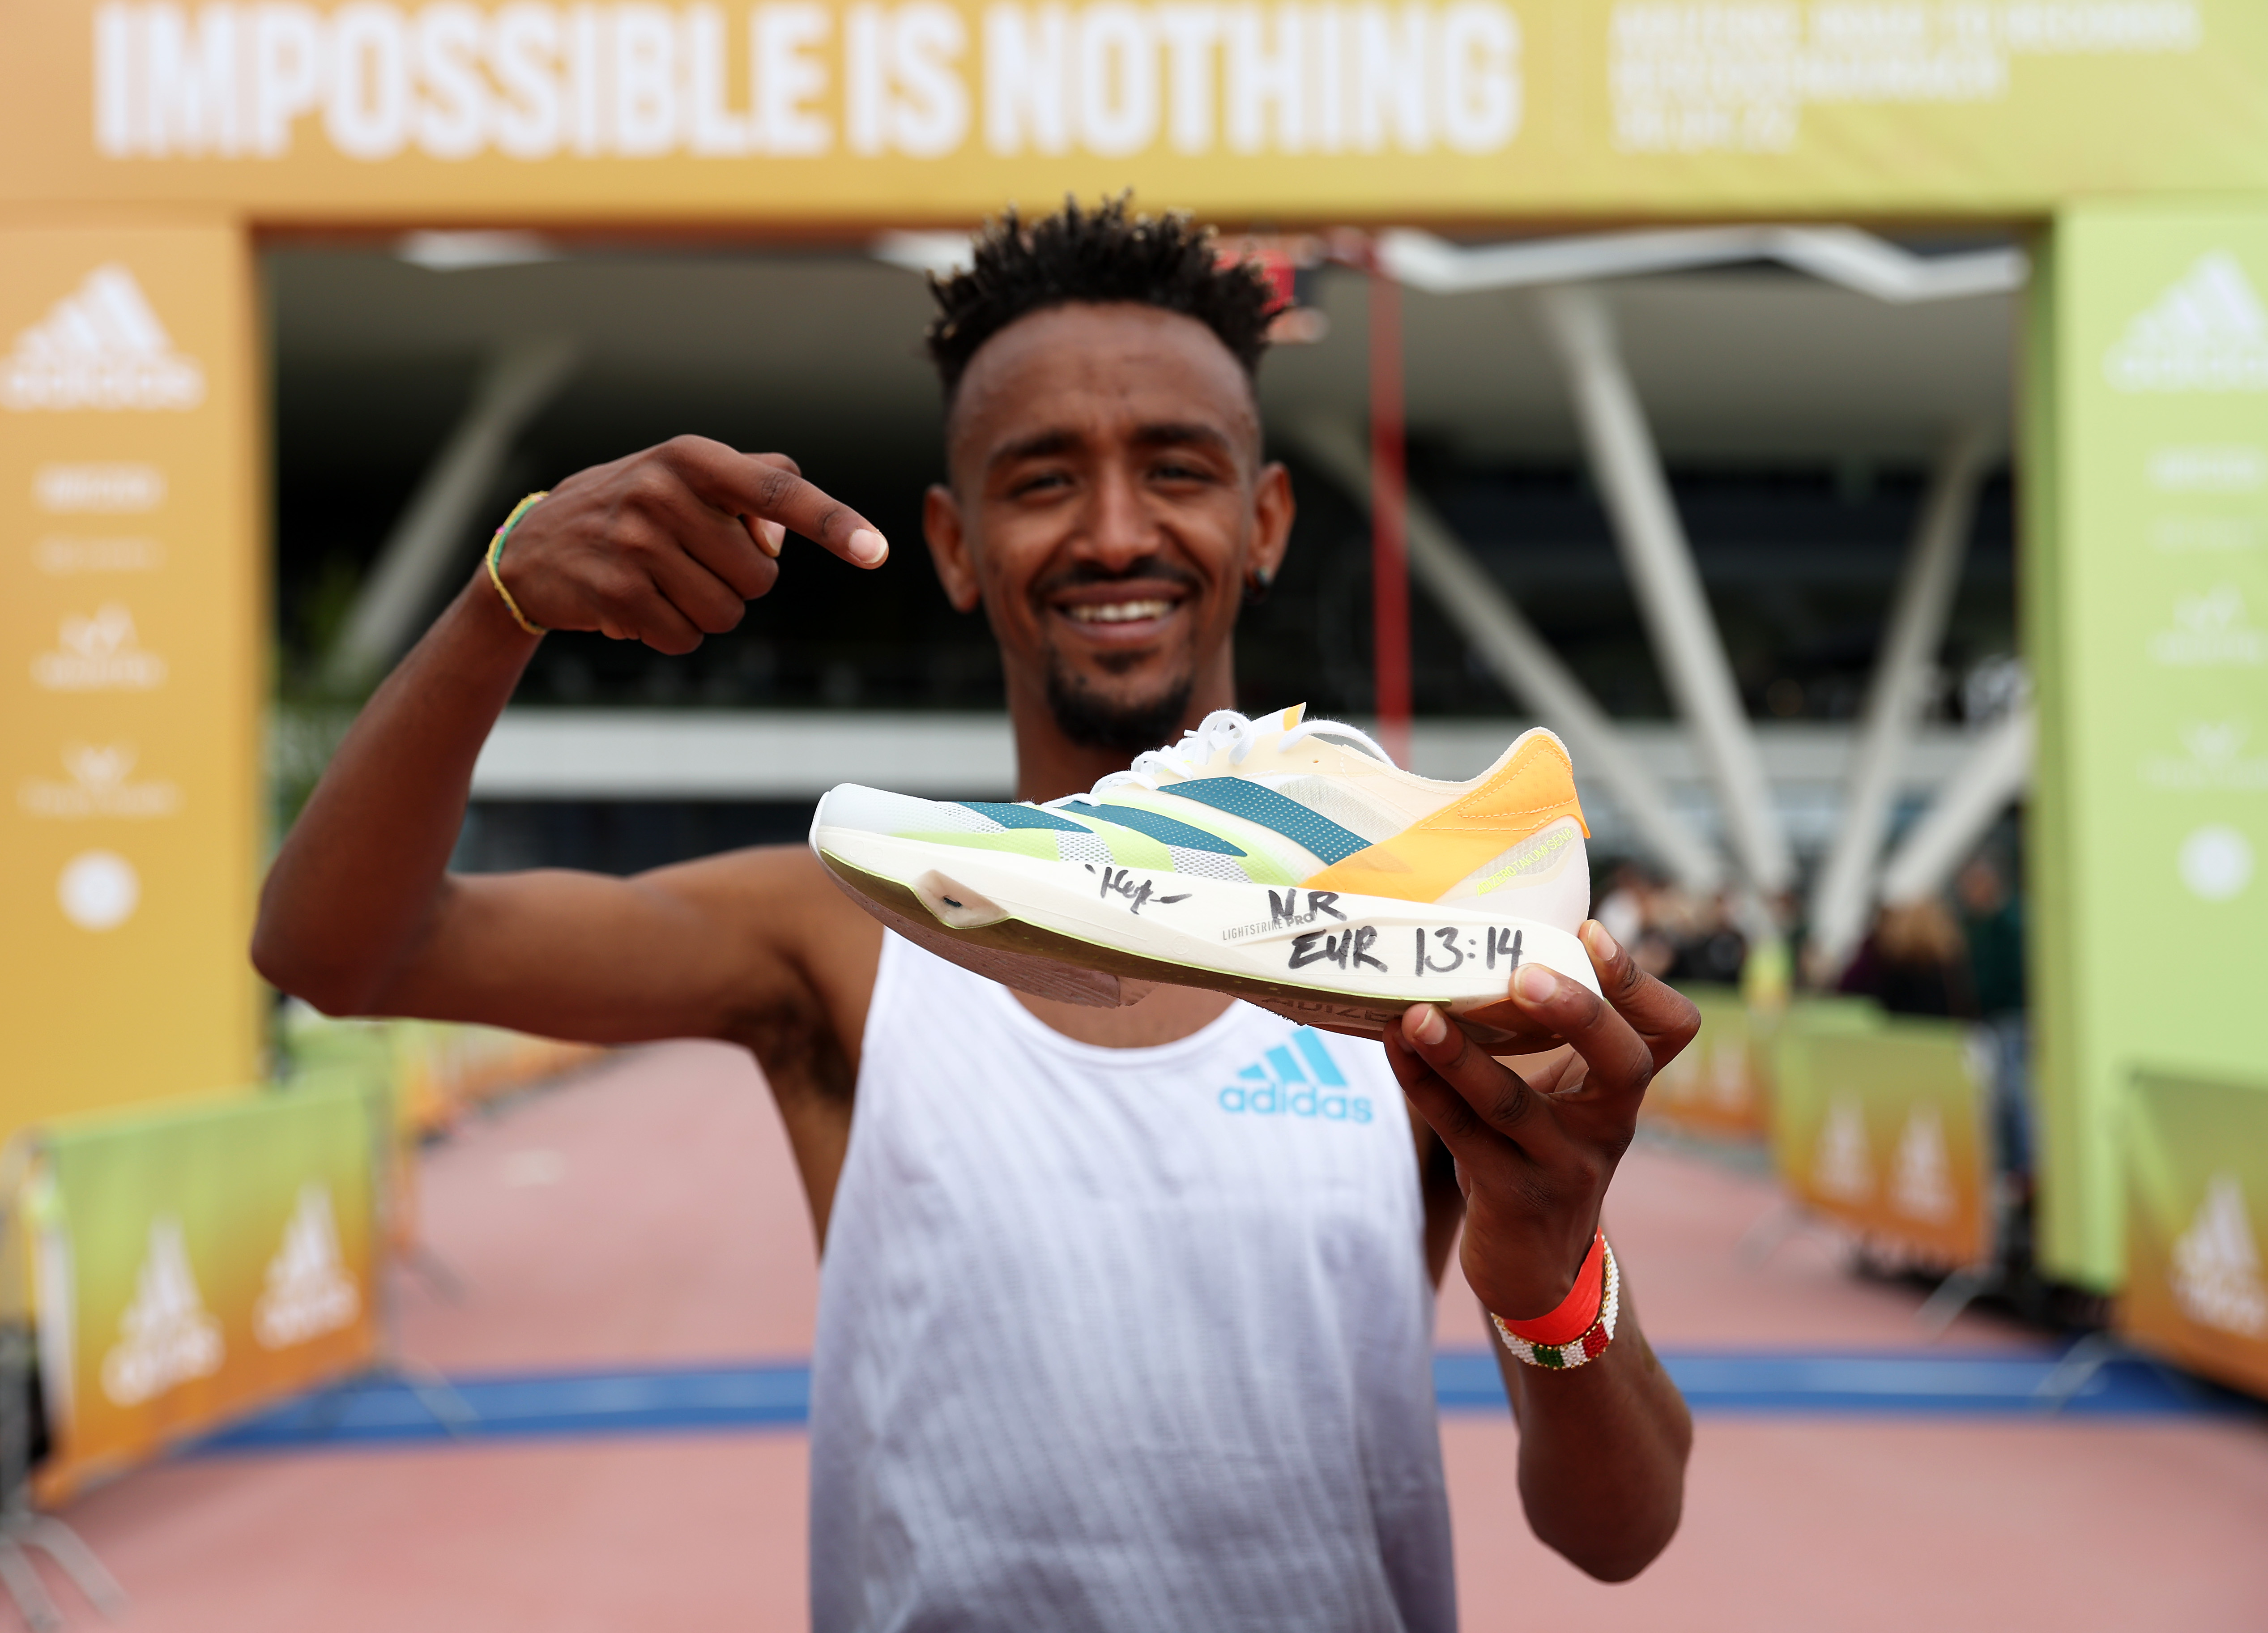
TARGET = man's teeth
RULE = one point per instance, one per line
(1121, 612)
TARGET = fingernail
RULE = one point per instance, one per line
(1602, 943)
(868, 548)
(772, 538)
(1534, 984)
(1428, 1027)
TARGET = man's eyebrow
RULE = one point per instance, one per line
(1181, 433)
(1039, 445)
(1160, 434)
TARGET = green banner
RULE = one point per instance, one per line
(2198, 1173)
(1717, 1084)
(1880, 1123)
(193, 1264)
(432, 1071)
(2146, 629)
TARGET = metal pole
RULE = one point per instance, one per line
(1390, 564)
(1521, 660)
(1844, 888)
(512, 389)
(1997, 771)
(1659, 561)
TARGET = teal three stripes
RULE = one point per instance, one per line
(1020, 816)
(1163, 829)
(1256, 802)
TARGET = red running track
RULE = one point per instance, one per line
(649, 1213)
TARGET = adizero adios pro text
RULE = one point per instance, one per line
(1283, 860)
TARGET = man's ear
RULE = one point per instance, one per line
(949, 549)
(1273, 508)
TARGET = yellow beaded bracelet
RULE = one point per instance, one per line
(495, 555)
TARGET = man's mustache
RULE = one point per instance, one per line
(1154, 569)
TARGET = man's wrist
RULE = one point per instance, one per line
(494, 563)
(1581, 1329)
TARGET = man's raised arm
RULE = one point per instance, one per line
(1602, 1444)
(360, 915)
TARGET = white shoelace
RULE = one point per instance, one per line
(1222, 728)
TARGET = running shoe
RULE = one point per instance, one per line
(1286, 861)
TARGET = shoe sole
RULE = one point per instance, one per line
(1060, 930)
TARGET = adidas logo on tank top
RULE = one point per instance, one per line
(1296, 1079)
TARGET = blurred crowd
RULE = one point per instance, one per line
(1961, 960)
(1679, 936)
(1964, 958)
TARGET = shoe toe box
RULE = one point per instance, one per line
(877, 811)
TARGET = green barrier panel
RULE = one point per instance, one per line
(1718, 1084)
(2196, 1166)
(194, 1263)
(426, 1074)
(1881, 1123)
(1816, 1014)
(1721, 1085)
(432, 1070)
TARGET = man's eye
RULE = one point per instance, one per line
(1178, 471)
(1038, 483)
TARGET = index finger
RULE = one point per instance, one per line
(749, 485)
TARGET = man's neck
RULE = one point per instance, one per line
(1049, 765)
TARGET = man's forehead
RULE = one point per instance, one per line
(1090, 372)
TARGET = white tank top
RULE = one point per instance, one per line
(1122, 1339)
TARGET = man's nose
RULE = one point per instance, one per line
(1119, 530)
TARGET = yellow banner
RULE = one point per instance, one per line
(129, 651)
(794, 110)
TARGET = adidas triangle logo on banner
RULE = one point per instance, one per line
(99, 347)
(1843, 1168)
(1921, 1179)
(2217, 1264)
(2208, 332)
(309, 1292)
(166, 1335)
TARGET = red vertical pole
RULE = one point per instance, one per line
(1389, 561)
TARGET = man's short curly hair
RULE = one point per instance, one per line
(1104, 254)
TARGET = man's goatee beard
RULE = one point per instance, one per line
(1126, 727)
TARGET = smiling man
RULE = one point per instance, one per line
(1058, 409)
(1091, 1353)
